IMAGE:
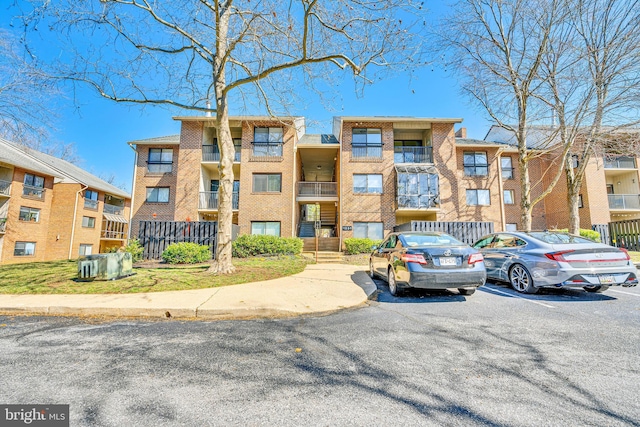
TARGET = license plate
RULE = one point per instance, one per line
(606, 279)
(448, 261)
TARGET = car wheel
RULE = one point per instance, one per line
(372, 274)
(521, 280)
(393, 285)
(467, 291)
(596, 288)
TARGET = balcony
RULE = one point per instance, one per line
(317, 191)
(113, 235)
(91, 204)
(33, 192)
(209, 200)
(211, 153)
(112, 209)
(418, 202)
(267, 151)
(3, 225)
(620, 163)
(413, 154)
(5, 188)
(159, 167)
(366, 153)
(624, 202)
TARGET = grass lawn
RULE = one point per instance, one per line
(57, 277)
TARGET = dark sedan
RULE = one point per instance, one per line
(427, 261)
(536, 259)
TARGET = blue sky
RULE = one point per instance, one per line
(100, 129)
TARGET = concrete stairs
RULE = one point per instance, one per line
(324, 257)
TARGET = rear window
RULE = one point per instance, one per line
(559, 238)
(430, 240)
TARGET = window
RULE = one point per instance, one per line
(88, 222)
(508, 197)
(29, 214)
(475, 163)
(511, 227)
(417, 190)
(609, 188)
(478, 197)
(267, 142)
(85, 249)
(157, 195)
(366, 143)
(507, 167)
(484, 242)
(24, 249)
(264, 227)
(91, 199)
(267, 183)
(160, 160)
(575, 161)
(370, 230)
(33, 186)
(367, 183)
(580, 200)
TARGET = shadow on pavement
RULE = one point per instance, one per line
(546, 294)
(417, 296)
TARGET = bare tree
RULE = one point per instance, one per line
(25, 95)
(496, 48)
(187, 53)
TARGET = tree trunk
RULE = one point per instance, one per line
(525, 200)
(223, 263)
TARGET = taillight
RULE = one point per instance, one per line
(473, 258)
(413, 258)
(558, 256)
(626, 253)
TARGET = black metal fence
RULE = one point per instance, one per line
(155, 236)
(467, 232)
(625, 234)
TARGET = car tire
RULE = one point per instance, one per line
(393, 284)
(521, 280)
(596, 288)
(372, 273)
(467, 291)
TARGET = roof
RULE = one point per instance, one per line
(50, 165)
(398, 119)
(13, 155)
(318, 139)
(473, 142)
(159, 140)
(538, 137)
(238, 118)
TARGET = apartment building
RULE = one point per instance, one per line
(369, 175)
(52, 210)
(610, 190)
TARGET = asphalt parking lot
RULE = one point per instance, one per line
(561, 358)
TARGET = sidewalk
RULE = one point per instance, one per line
(319, 289)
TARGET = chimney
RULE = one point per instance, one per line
(461, 133)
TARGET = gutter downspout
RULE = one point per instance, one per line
(133, 187)
(294, 221)
(339, 177)
(501, 189)
(73, 224)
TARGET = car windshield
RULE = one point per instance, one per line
(558, 238)
(430, 240)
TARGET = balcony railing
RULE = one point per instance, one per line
(159, 167)
(417, 202)
(110, 234)
(3, 225)
(35, 192)
(112, 209)
(318, 189)
(369, 152)
(624, 201)
(413, 154)
(211, 153)
(91, 204)
(621, 163)
(267, 149)
(209, 200)
(5, 188)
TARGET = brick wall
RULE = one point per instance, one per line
(187, 190)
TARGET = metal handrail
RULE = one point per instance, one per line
(267, 149)
(108, 234)
(160, 167)
(624, 201)
(31, 191)
(211, 153)
(317, 189)
(413, 154)
(372, 151)
(5, 188)
(209, 200)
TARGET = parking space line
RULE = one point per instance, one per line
(623, 292)
(517, 296)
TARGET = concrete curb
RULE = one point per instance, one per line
(321, 289)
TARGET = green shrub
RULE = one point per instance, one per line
(355, 245)
(586, 233)
(186, 253)
(258, 244)
(135, 249)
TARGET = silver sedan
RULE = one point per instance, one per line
(533, 260)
